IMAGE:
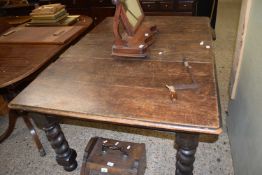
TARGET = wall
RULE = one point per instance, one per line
(245, 112)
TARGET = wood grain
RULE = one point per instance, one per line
(3, 106)
(18, 61)
(86, 82)
(41, 35)
(15, 20)
(4, 26)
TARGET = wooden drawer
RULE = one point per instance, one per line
(166, 6)
(149, 6)
(184, 6)
(100, 3)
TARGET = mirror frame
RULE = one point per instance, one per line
(139, 20)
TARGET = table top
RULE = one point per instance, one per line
(88, 83)
(18, 61)
(15, 20)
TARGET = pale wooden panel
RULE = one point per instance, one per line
(240, 45)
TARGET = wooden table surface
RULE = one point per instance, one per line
(18, 61)
(87, 82)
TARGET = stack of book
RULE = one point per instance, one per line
(50, 15)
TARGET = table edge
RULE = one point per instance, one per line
(122, 121)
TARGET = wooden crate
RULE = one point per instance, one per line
(111, 157)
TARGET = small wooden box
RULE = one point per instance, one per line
(111, 157)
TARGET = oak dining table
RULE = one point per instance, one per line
(87, 83)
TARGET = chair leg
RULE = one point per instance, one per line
(11, 125)
(214, 36)
(35, 136)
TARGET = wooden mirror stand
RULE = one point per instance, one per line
(134, 37)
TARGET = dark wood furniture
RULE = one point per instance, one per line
(14, 20)
(107, 156)
(98, 87)
(21, 63)
(3, 106)
(208, 8)
(135, 37)
(100, 9)
(16, 10)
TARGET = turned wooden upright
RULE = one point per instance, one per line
(87, 82)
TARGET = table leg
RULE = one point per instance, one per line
(65, 156)
(186, 148)
(35, 136)
(12, 117)
(11, 125)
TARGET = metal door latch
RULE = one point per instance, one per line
(193, 85)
